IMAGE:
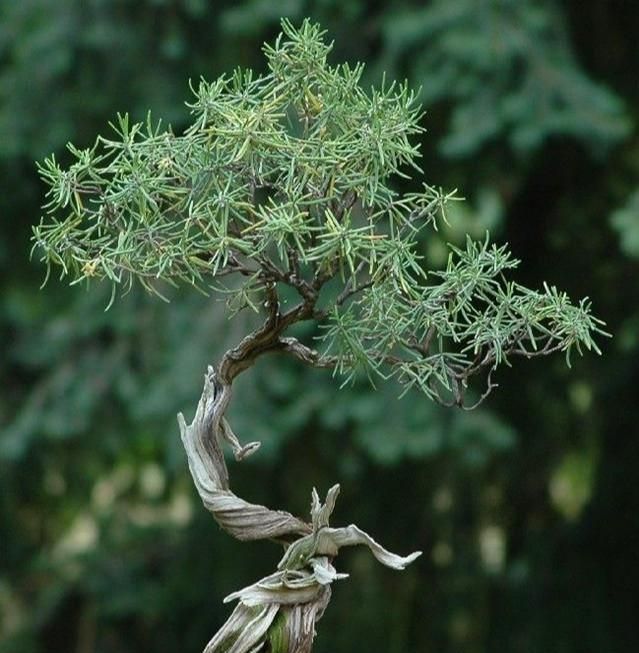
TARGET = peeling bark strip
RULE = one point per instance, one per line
(279, 611)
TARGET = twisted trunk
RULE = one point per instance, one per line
(279, 612)
(202, 440)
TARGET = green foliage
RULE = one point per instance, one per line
(476, 318)
(152, 205)
(286, 179)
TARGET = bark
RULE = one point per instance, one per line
(279, 612)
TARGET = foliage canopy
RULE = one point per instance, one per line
(287, 180)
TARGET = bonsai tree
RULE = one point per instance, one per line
(281, 194)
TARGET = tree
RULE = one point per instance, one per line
(280, 195)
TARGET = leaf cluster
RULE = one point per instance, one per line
(285, 180)
(437, 336)
(272, 167)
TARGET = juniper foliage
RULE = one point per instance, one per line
(287, 181)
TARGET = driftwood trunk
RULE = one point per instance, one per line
(278, 613)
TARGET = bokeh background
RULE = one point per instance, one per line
(526, 509)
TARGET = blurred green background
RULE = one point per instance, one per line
(526, 509)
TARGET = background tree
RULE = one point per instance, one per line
(542, 525)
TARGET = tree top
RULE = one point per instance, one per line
(286, 183)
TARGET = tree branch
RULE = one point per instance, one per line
(305, 354)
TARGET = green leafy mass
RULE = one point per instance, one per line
(285, 186)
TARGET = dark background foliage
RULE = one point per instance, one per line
(526, 509)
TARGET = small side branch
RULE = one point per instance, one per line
(305, 354)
